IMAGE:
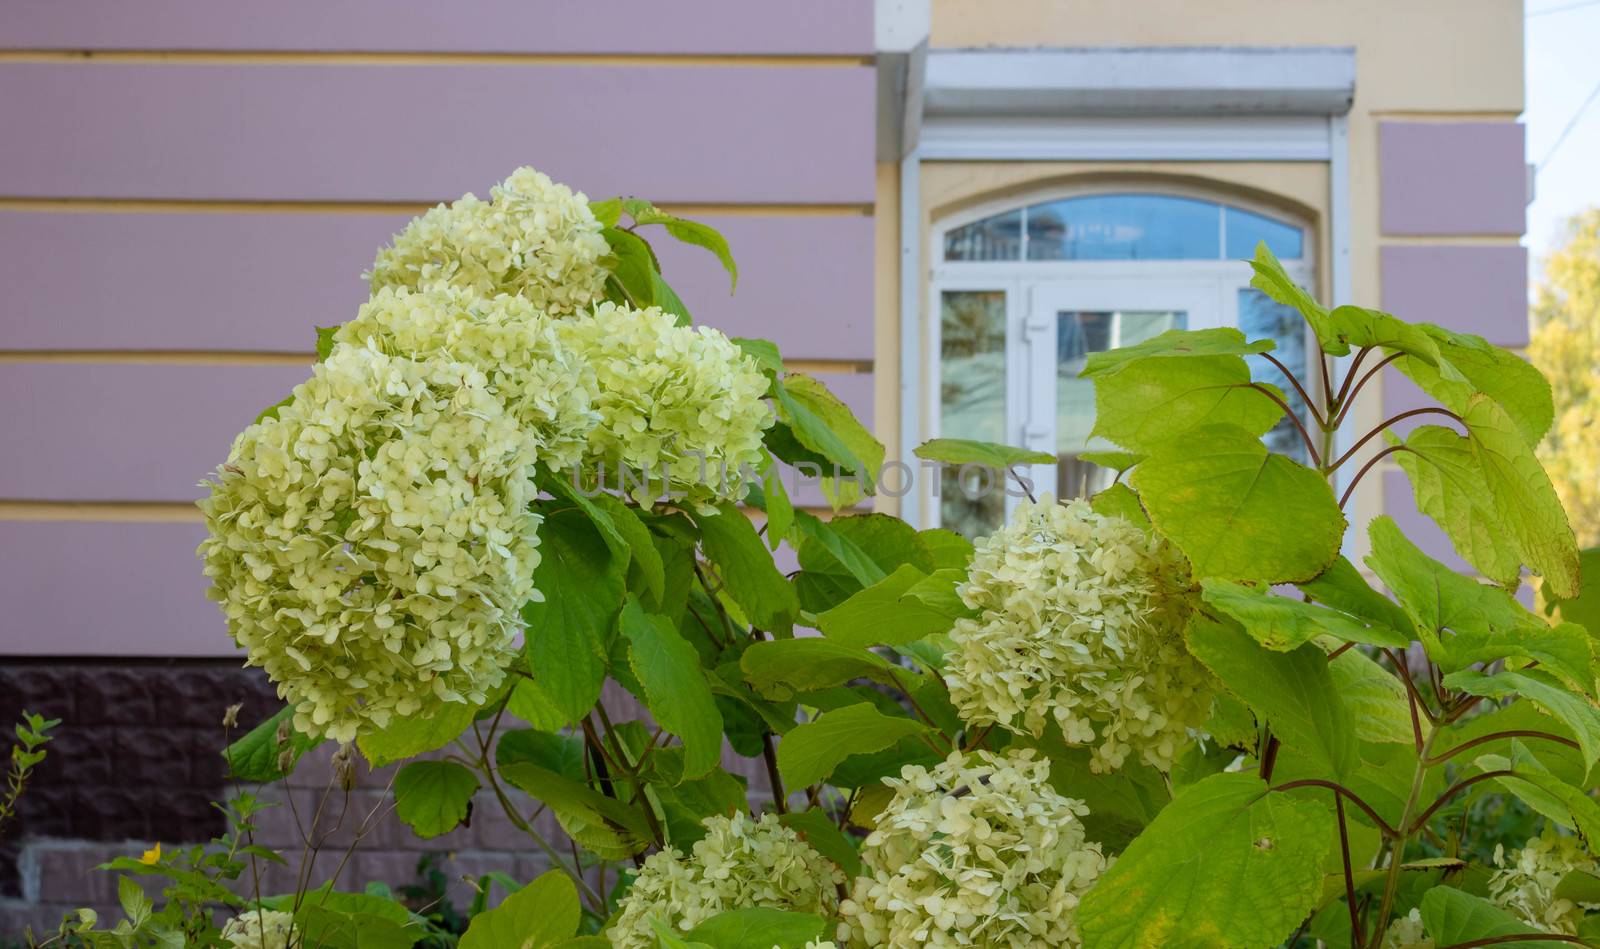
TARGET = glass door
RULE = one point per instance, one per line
(1066, 322)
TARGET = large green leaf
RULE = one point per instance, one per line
(1239, 512)
(759, 927)
(1280, 623)
(1343, 588)
(413, 735)
(779, 668)
(1516, 506)
(825, 425)
(1379, 707)
(562, 754)
(1294, 691)
(543, 913)
(1223, 840)
(1561, 802)
(1575, 711)
(886, 613)
(610, 828)
(731, 543)
(1583, 609)
(568, 633)
(1220, 341)
(256, 756)
(840, 556)
(675, 688)
(690, 232)
(1270, 278)
(812, 751)
(433, 797)
(1471, 365)
(1452, 917)
(821, 830)
(961, 451)
(1361, 327)
(632, 265)
(1145, 404)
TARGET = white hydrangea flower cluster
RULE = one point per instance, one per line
(1081, 620)
(1407, 932)
(979, 851)
(684, 401)
(259, 929)
(1526, 883)
(371, 546)
(545, 386)
(534, 239)
(741, 863)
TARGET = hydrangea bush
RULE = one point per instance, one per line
(1194, 710)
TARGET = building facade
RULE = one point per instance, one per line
(940, 209)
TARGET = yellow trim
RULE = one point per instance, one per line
(398, 58)
(190, 206)
(163, 512)
(1444, 117)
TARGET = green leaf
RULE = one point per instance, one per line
(1470, 365)
(759, 927)
(962, 451)
(1568, 806)
(1486, 488)
(1224, 500)
(668, 938)
(818, 828)
(685, 804)
(634, 268)
(780, 511)
(133, 900)
(1144, 405)
(781, 667)
(1221, 341)
(947, 549)
(1115, 460)
(562, 754)
(255, 756)
(327, 336)
(675, 686)
(763, 351)
(690, 232)
(1575, 711)
(1358, 326)
(1583, 609)
(413, 735)
(1181, 881)
(610, 828)
(1294, 691)
(433, 797)
(1270, 278)
(1119, 500)
(644, 558)
(668, 300)
(607, 211)
(1280, 623)
(1342, 587)
(848, 553)
(825, 425)
(812, 751)
(1379, 707)
(730, 541)
(540, 914)
(885, 613)
(1451, 916)
(567, 637)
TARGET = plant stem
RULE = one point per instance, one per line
(1496, 736)
(1397, 847)
(770, 754)
(1301, 426)
(1311, 404)
(1351, 487)
(1386, 423)
(1349, 873)
(1344, 405)
(1343, 792)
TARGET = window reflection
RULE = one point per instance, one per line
(1260, 317)
(972, 398)
(993, 238)
(1244, 230)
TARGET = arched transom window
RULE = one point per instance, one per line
(1024, 293)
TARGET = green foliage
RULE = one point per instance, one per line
(758, 928)
(269, 751)
(434, 797)
(675, 688)
(811, 752)
(33, 733)
(543, 913)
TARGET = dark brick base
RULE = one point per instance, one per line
(137, 753)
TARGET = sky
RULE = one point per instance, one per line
(1563, 69)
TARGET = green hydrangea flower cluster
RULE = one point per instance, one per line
(676, 401)
(1526, 883)
(259, 929)
(533, 239)
(979, 851)
(371, 545)
(1407, 932)
(1081, 621)
(741, 863)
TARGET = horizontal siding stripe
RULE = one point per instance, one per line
(352, 133)
(144, 433)
(1470, 289)
(145, 512)
(260, 283)
(1452, 178)
(526, 26)
(408, 208)
(220, 357)
(360, 58)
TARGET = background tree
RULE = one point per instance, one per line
(1566, 348)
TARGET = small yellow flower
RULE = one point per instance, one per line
(152, 856)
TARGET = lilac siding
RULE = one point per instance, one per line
(424, 133)
(261, 282)
(97, 432)
(1470, 289)
(509, 26)
(1400, 503)
(82, 588)
(1442, 178)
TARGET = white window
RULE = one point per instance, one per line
(1025, 291)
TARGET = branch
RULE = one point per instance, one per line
(1311, 405)
(1517, 937)
(1452, 791)
(779, 796)
(1350, 376)
(1344, 406)
(1349, 874)
(1496, 736)
(1393, 420)
(1304, 435)
(1351, 488)
(1345, 792)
